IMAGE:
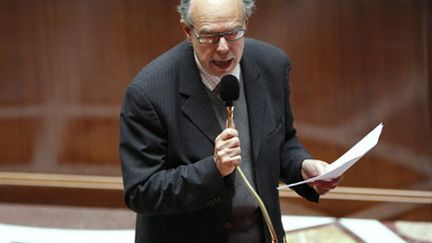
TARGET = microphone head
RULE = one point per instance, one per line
(229, 89)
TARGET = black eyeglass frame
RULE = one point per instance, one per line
(240, 33)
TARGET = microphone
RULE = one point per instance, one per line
(229, 89)
(229, 92)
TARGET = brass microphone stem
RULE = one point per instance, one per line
(230, 116)
(261, 205)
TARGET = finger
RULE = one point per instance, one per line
(229, 149)
(235, 161)
(320, 191)
(232, 143)
(323, 187)
(231, 161)
(323, 183)
(323, 192)
(228, 133)
(228, 139)
(331, 184)
(232, 152)
(226, 154)
(337, 180)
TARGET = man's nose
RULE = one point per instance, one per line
(222, 45)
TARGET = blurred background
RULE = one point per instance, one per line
(64, 65)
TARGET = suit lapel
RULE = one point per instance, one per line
(197, 106)
(256, 102)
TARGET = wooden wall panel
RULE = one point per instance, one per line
(19, 64)
(89, 141)
(17, 141)
(64, 66)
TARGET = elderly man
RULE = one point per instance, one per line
(179, 160)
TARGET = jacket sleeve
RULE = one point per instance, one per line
(293, 152)
(150, 186)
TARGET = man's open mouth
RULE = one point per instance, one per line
(223, 64)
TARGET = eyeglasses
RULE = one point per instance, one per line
(214, 38)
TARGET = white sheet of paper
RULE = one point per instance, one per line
(339, 166)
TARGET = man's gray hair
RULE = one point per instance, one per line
(184, 9)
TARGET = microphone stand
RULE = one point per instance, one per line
(261, 205)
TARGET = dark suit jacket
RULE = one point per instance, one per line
(167, 133)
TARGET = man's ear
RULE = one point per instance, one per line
(186, 29)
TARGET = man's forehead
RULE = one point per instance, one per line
(218, 17)
(216, 8)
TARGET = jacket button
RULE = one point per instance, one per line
(228, 226)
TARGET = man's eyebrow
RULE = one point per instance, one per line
(207, 31)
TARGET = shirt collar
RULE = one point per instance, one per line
(211, 81)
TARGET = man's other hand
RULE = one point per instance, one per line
(312, 168)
